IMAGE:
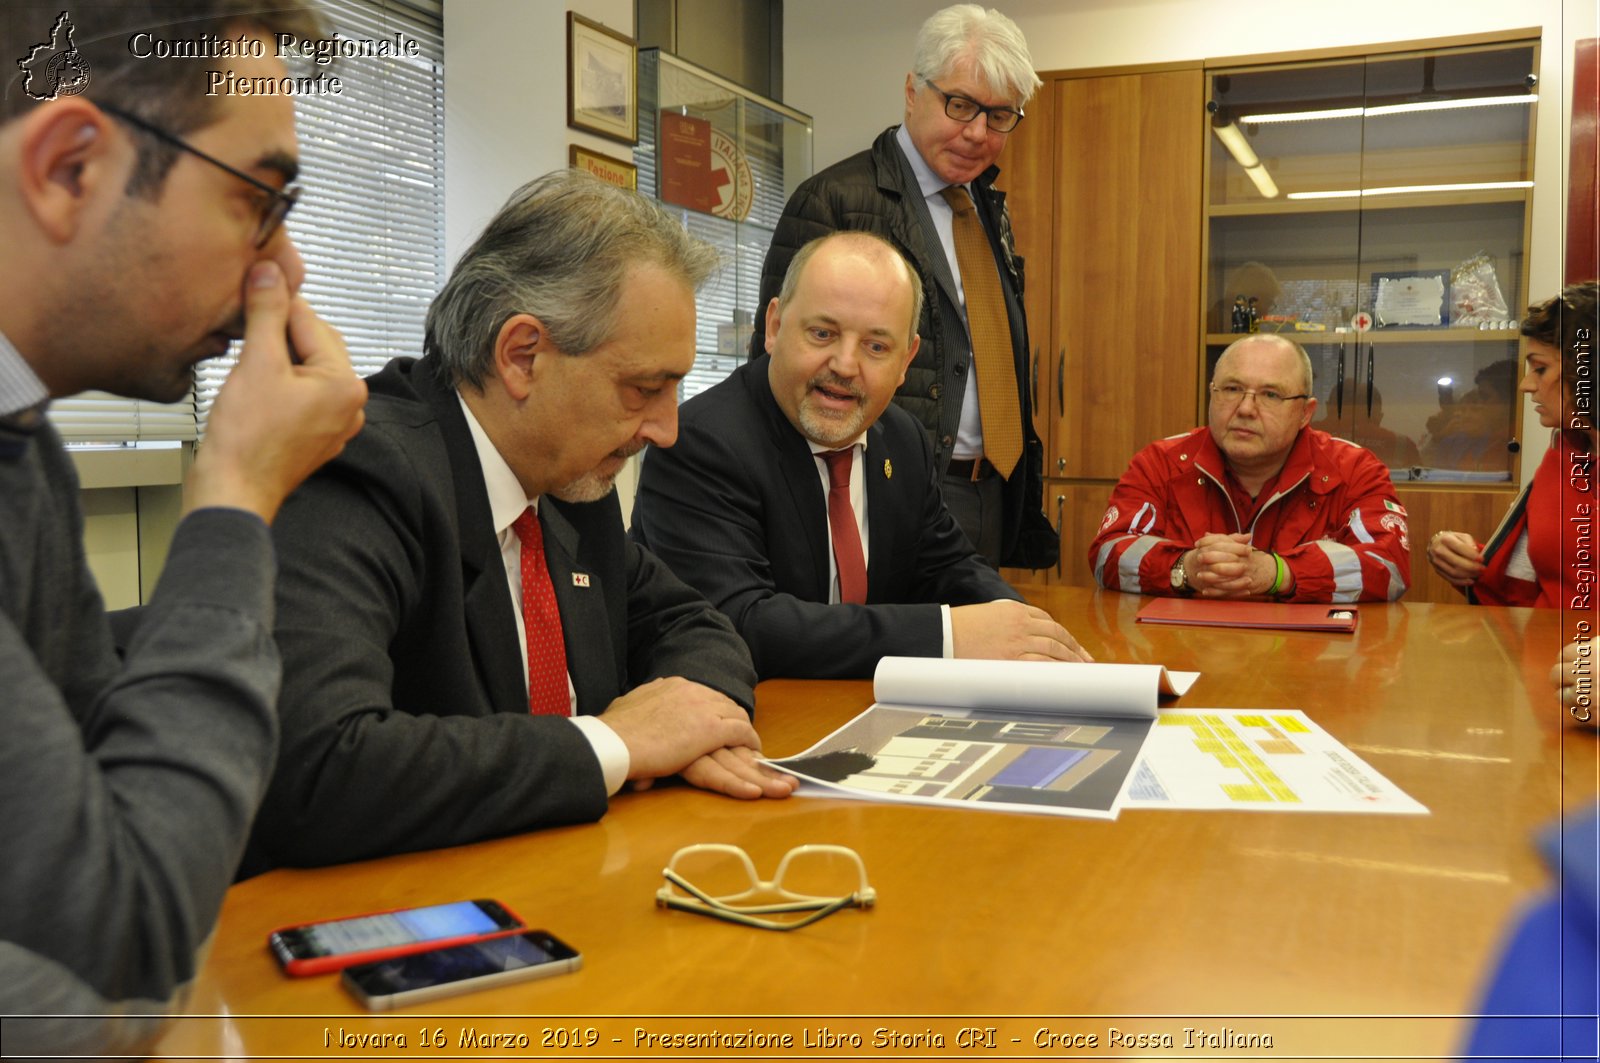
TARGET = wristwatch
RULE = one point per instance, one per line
(1180, 579)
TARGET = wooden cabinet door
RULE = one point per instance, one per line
(1428, 510)
(1127, 278)
(1076, 509)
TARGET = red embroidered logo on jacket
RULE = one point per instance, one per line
(1397, 524)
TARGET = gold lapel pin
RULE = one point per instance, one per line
(888, 469)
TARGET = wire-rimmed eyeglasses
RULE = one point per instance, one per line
(1228, 396)
(279, 202)
(965, 109)
(741, 887)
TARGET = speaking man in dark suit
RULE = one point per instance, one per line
(928, 187)
(808, 509)
(471, 645)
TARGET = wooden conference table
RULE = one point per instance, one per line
(1336, 935)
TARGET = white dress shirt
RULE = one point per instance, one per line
(506, 503)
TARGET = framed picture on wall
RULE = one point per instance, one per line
(613, 171)
(602, 74)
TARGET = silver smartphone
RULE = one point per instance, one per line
(482, 964)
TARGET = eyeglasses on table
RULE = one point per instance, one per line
(720, 880)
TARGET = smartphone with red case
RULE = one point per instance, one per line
(317, 948)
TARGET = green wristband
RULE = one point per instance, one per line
(1277, 579)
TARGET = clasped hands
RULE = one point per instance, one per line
(1225, 565)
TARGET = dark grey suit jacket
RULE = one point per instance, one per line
(405, 714)
(737, 509)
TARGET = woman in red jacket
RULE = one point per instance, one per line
(1543, 553)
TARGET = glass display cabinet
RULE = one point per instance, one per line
(729, 160)
(1376, 209)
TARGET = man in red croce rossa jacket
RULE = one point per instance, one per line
(1257, 503)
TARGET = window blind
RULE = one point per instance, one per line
(370, 224)
(103, 419)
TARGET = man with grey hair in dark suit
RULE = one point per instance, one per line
(471, 645)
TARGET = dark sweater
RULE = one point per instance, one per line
(126, 787)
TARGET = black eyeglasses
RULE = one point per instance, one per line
(279, 201)
(965, 109)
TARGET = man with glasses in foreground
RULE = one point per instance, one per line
(1257, 503)
(928, 188)
(141, 223)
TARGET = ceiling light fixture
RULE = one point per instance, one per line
(1400, 190)
(1239, 148)
(1388, 108)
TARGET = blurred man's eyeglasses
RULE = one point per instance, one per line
(1227, 396)
(965, 109)
(278, 203)
(721, 881)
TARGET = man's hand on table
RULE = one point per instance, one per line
(675, 726)
(1011, 631)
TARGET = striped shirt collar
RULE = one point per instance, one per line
(21, 390)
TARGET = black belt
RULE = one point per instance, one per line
(962, 468)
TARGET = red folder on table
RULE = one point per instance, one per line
(1208, 612)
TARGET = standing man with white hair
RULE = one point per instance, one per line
(927, 186)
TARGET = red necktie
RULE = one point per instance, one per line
(846, 532)
(547, 652)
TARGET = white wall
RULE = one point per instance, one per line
(505, 112)
(111, 543)
(823, 38)
(505, 102)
